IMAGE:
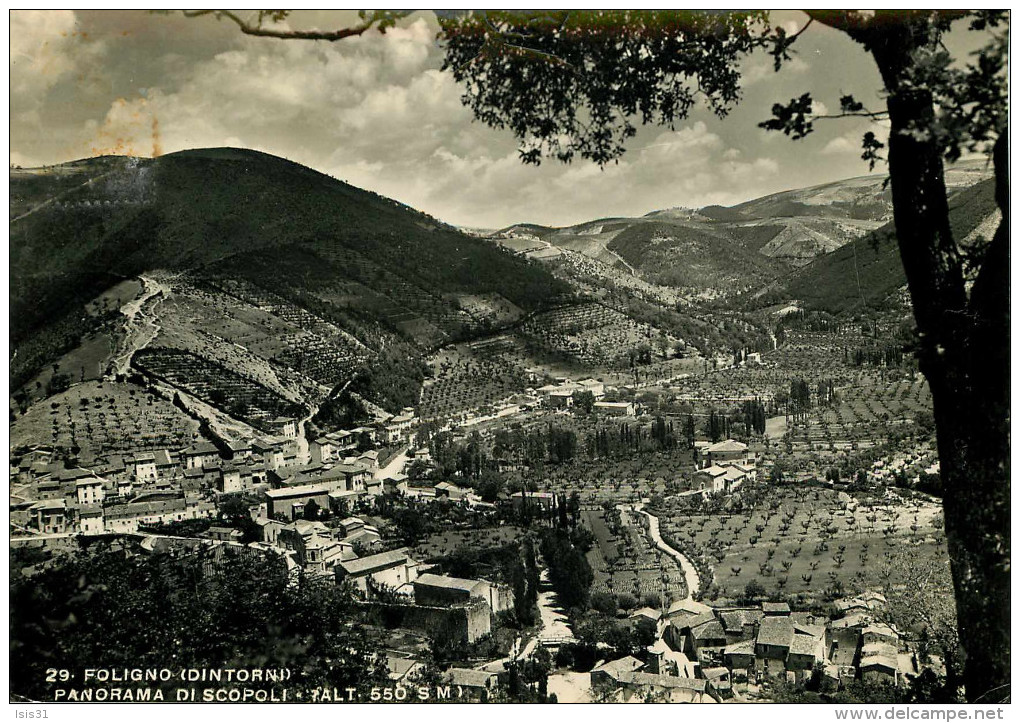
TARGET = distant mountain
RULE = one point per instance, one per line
(869, 270)
(236, 219)
(730, 249)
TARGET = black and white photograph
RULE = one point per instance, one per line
(509, 356)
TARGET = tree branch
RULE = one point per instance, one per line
(853, 24)
(258, 30)
(797, 34)
(874, 115)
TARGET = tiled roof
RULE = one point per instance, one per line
(728, 445)
(298, 491)
(662, 681)
(735, 620)
(886, 661)
(687, 620)
(711, 630)
(777, 631)
(714, 471)
(448, 583)
(742, 647)
(202, 448)
(805, 645)
(621, 665)
(470, 678)
(382, 561)
(648, 613)
(690, 606)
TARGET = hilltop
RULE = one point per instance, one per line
(719, 250)
(227, 218)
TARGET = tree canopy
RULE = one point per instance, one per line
(109, 607)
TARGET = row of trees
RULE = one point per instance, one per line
(569, 572)
(890, 355)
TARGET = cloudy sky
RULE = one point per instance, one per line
(377, 112)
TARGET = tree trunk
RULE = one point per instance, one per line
(964, 354)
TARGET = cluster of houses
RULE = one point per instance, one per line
(121, 493)
(702, 652)
(388, 429)
(723, 466)
(564, 393)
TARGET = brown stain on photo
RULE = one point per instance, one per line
(157, 148)
(126, 133)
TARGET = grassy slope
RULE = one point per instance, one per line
(687, 255)
(830, 282)
(227, 206)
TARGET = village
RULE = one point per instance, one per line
(366, 509)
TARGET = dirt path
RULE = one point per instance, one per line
(691, 576)
(141, 327)
(555, 629)
(52, 199)
(619, 258)
(395, 466)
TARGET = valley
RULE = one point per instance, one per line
(620, 434)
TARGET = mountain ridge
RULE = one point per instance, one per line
(357, 257)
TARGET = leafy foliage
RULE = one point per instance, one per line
(105, 607)
(569, 571)
(573, 83)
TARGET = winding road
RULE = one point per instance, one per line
(691, 576)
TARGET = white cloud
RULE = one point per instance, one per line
(762, 67)
(689, 166)
(840, 144)
(376, 112)
(46, 48)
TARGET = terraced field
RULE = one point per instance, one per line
(624, 561)
(472, 377)
(277, 330)
(241, 397)
(590, 334)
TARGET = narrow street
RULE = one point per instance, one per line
(394, 467)
(568, 686)
(555, 629)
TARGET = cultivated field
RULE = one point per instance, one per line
(444, 543)
(265, 325)
(467, 377)
(624, 560)
(804, 539)
(103, 418)
(241, 397)
(590, 334)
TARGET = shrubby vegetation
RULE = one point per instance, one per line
(109, 607)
